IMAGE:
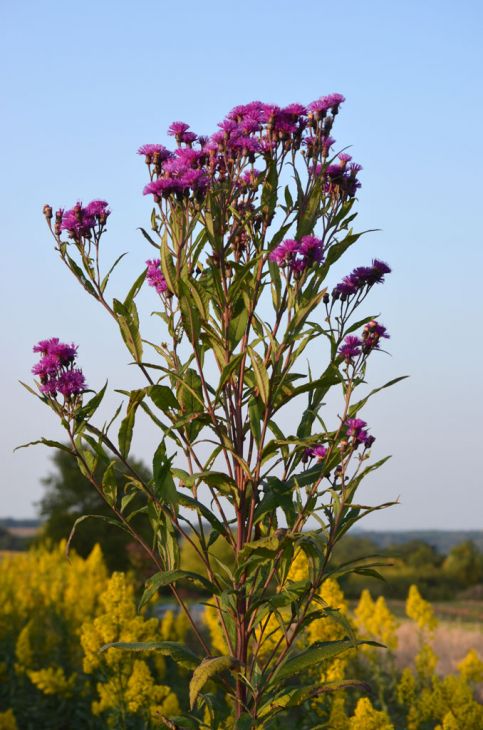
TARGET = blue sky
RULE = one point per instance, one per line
(84, 85)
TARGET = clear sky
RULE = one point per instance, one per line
(84, 84)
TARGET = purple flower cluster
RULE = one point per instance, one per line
(247, 132)
(351, 348)
(298, 254)
(356, 430)
(56, 369)
(371, 336)
(155, 276)
(79, 221)
(354, 346)
(318, 452)
(363, 276)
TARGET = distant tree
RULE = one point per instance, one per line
(70, 495)
(417, 554)
(465, 564)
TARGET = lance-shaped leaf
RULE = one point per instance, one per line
(179, 653)
(261, 375)
(208, 669)
(164, 486)
(104, 518)
(168, 269)
(269, 190)
(163, 397)
(217, 480)
(316, 654)
(168, 577)
(127, 318)
(127, 424)
(87, 410)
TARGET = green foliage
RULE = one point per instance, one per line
(68, 496)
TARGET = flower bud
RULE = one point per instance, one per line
(47, 211)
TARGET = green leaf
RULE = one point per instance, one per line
(206, 671)
(238, 322)
(109, 484)
(105, 280)
(127, 318)
(167, 578)
(165, 489)
(134, 290)
(217, 480)
(189, 313)
(190, 393)
(261, 375)
(179, 653)
(269, 190)
(104, 518)
(360, 404)
(79, 274)
(309, 212)
(127, 424)
(314, 655)
(87, 410)
(167, 266)
(148, 238)
(163, 397)
(46, 442)
(228, 370)
(255, 414)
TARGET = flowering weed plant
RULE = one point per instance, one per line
(246, 227)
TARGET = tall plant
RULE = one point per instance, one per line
(246, 226)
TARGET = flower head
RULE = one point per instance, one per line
(298, 254)
(155, 276)
(371, 336)
(322, 105)
(176, 129)
(356, 429)
(319, 452)
(361, 277)
(56, 369)
(351, 348)
(154, 152)
(81, 221)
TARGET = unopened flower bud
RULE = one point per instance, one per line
(47, 210)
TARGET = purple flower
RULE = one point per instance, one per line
(155, 276)
(176, 129)
(151, 150)
(351, 348)
(334, 170)
(361, 277)
(188, 137)
(250, 177)
(63, 353)
(98, 208)
(312, 249)
(356, 429)
(47, 366)
(372, 333)
(285, 252)
(299, 255)
(56, 369)
(296, 110)
(71, 382)
(322, 105)
(319, 452)
(79, 221)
